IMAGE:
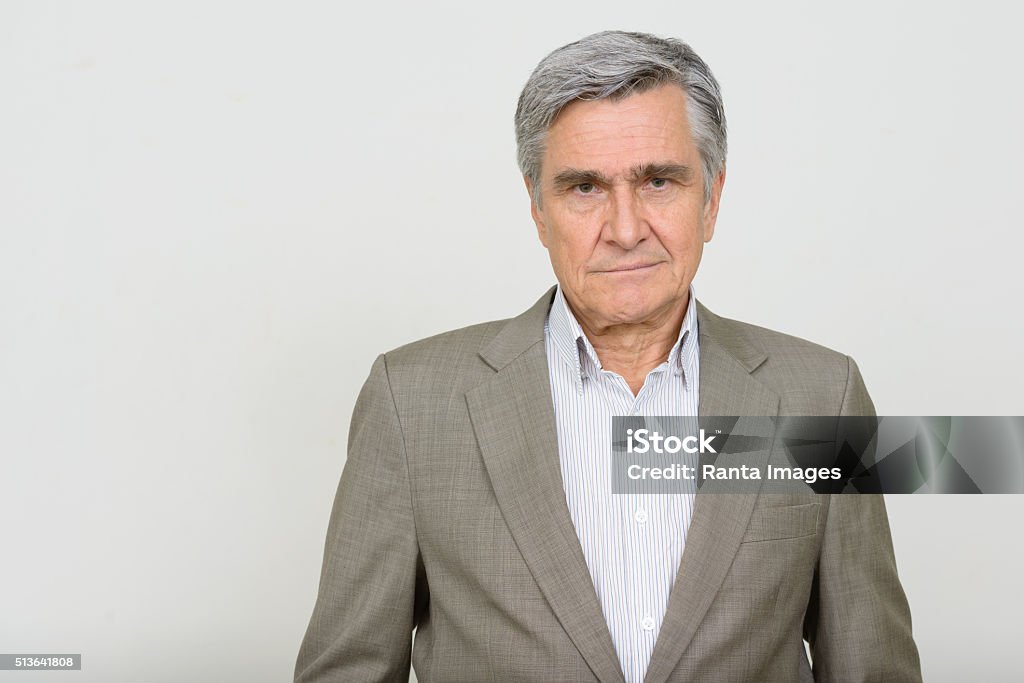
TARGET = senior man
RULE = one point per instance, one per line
(475, 505)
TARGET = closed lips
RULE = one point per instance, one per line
(621, 269)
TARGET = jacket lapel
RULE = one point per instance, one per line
(719, 520)
(514, 420)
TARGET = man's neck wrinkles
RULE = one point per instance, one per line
(633, 350)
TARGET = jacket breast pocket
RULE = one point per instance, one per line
(781, 522)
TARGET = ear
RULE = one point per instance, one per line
(711, 208)
(538, 219)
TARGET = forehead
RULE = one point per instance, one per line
(615, 135)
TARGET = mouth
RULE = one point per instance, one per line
(630, 268)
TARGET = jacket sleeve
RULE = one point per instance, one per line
(858, 620)
(372, 578)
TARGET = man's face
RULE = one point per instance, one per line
(622, 211)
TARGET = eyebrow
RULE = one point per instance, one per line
(571, 177)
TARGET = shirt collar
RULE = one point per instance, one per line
(575, 349)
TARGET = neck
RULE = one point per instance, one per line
(632, 350)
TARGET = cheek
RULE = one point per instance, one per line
(572, 243)
(573, 260)
(683, 235)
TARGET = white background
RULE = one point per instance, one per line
(214, 216)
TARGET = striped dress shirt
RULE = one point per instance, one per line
(632, 543)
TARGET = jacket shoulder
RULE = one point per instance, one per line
(462, 355)
(809, 378)
(780, 344)
(446, 357)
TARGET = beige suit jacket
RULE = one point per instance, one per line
(450, 519)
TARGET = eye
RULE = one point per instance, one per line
(585, 188)
(659, 183)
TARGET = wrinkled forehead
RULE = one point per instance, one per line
(615, 135)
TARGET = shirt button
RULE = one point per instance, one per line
(640, 516)
(647, 623)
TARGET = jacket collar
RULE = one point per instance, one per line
(527, 329)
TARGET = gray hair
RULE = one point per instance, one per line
(617, 64)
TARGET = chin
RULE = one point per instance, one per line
(630, 312)
(636, 308)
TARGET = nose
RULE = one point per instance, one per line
(625, 224)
